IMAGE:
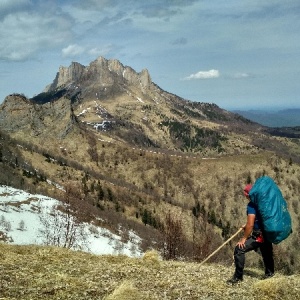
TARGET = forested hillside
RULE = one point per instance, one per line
(160, 195)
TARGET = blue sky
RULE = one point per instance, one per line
(237, 54)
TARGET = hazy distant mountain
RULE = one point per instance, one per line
(281, 118)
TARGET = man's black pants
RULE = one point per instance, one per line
(266, 249)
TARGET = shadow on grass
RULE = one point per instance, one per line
(252, 274)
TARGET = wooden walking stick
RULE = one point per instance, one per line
(233, 236)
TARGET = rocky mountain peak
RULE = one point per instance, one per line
(66, 75)
(100, 72)
(115, 66)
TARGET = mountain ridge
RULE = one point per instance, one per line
(127, 106)
(279, 118)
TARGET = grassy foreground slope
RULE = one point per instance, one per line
(33, 272)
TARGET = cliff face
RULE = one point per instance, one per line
(19, 114)
(101, 73)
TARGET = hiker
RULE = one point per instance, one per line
(252, 240)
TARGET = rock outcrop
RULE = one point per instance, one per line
(19, 114)
(102, 72)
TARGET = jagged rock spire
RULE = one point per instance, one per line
(100, 72)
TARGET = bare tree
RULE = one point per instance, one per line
(22, 225)
(7, 226)
(118, 247)
(62, 227)
(173, 245)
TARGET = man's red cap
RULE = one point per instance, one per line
(247, 189)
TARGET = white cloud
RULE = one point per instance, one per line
(204, 75)
(72, 50)
(241, 75)
(95, 52)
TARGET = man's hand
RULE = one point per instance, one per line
(241, 243)
(248, 227)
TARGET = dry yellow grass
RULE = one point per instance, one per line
(32, 272)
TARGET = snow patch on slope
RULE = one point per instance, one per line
(20, 222)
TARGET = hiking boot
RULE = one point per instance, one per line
(267, 276)
(234, 280)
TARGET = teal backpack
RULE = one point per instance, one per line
(276, 220)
